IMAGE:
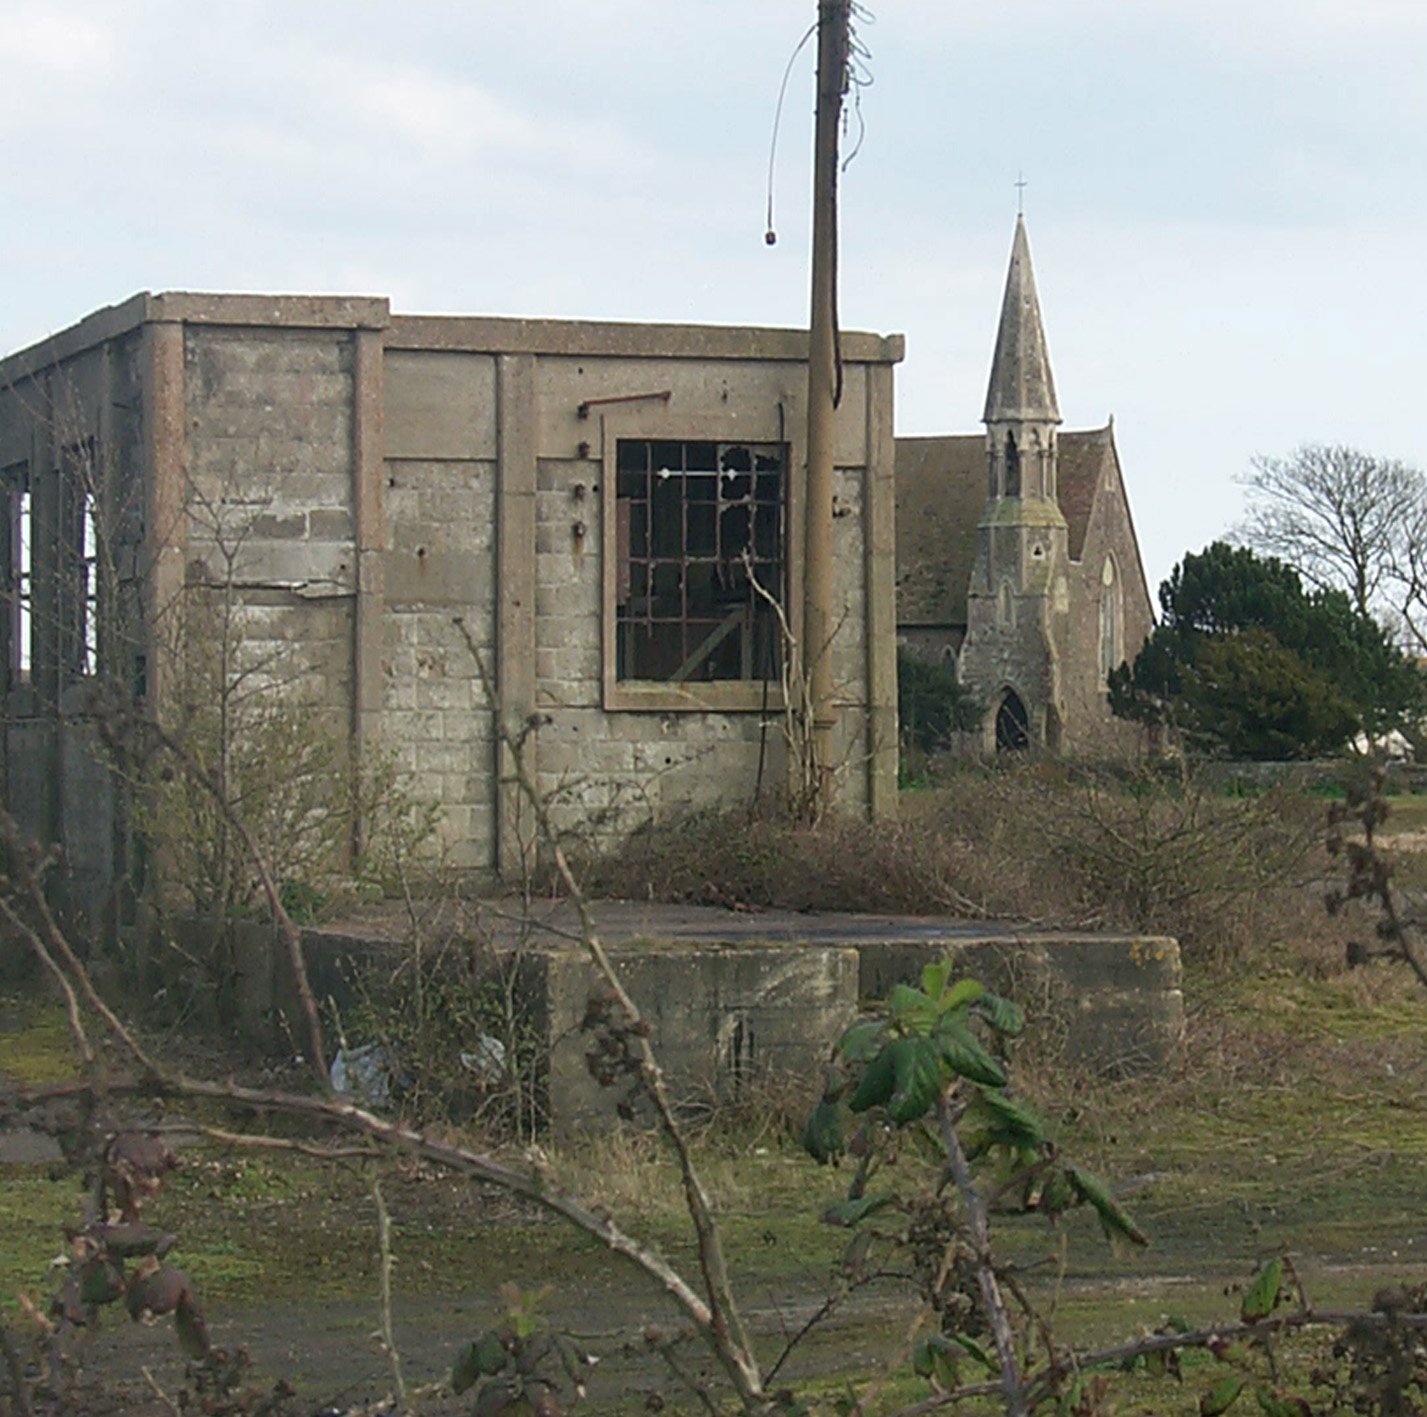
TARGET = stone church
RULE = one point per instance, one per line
(1017, 559)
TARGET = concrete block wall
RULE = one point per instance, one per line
(436, 716)
(376, 478)
(270, 499)
(728, 1014)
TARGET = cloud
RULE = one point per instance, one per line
(69, 42)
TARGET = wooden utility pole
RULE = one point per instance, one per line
(818, 623)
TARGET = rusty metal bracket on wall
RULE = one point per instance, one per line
(663, 395)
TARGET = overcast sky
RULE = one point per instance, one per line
(1225, 200)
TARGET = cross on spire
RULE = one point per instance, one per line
(1020, 185)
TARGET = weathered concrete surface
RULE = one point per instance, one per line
(734, 998)
(725, 1017)
(379, 496)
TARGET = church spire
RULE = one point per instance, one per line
(1022, 388)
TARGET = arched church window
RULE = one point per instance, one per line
(1110, 635)
(1013, 725)
(1013, 467)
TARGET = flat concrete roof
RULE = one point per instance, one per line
(474, 333)
(622, 923)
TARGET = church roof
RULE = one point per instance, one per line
(1022, 386)
(941, 493)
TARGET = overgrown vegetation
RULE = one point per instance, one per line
(445, 1030)
(932, 706)
(1133, 848)
(253, 725)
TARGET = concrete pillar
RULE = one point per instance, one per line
(165, 501)
(369, 532)
(516, 455)
(880, 507)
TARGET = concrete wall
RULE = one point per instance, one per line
(356, 484)
(729, 1015)
(70, 437)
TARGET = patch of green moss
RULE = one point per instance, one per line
(40, 1049)
(33, 1213)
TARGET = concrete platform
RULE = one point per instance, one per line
(734, 997)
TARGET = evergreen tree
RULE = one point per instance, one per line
(1248, 663)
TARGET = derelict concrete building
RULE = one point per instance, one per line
(585, 505)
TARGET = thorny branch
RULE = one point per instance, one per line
(719, 1318)
(716, 1315)
(123, 729)
(992, 1303)
(1370, 877)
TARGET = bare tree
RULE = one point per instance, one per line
(1346, 520)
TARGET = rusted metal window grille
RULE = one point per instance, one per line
(697, 524)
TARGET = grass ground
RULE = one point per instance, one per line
(1296, 1120)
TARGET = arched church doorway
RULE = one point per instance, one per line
(1013, 725)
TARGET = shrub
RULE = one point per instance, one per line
(1039, 842)
(932, 704)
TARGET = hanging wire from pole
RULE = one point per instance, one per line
(770, 234)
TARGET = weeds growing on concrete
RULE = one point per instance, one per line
(1042, 843)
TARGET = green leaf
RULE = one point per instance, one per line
(1058, 1193)
(963, 992)
(912, 1009)
(877, 1082)
(465, 1370)
(1113, 1220)
(1005, 1017)
(849, 1212)
(484, 1358)
(966, 1057)
(825, 1134)
(1008, 1122)
(861, 1042)
(854, 1257)
(1222, 1396)
(917, 1067)
(980, 1354)
(935, 1359)
(934, 977)
(1263, 1294)
(502, 1400)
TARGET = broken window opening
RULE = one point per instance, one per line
(78, 562)
(700, 528)
(15, 580)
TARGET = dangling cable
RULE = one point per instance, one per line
(770, 236)
(858, 76)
